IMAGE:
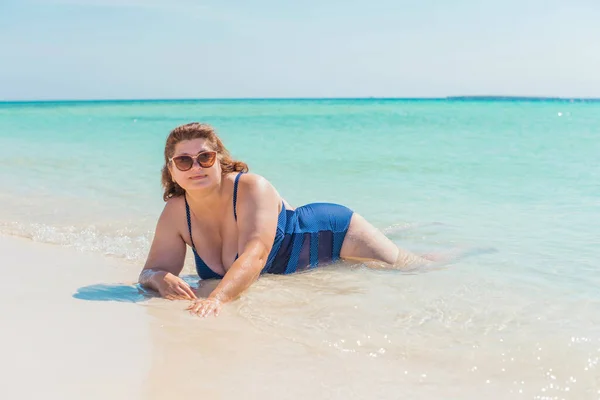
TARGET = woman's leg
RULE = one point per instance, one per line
(364, 242)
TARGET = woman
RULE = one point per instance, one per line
(238, 226)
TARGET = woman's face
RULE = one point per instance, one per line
(198, 176)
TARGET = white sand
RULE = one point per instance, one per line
(56, 346)
(62, 340)
(356, 334)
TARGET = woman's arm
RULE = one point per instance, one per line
(257, 211)
(166, 257)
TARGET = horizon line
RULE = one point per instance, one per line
(432, 98)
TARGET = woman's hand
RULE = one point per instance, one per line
(172, 287)
(206, 307)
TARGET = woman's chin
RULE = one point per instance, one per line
(198, 183)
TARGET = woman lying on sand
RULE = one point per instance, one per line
(238, 226)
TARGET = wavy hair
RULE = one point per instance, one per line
(196, 130)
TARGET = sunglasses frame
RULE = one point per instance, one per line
(194, 160)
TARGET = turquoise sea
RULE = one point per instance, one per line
(522, 177)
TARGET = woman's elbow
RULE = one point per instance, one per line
(258, 257)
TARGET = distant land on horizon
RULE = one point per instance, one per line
(451, 98)
(528, 98)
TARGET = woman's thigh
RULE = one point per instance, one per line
(365, 242)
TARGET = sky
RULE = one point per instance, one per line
(161, 49)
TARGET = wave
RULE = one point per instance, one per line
(126, 243)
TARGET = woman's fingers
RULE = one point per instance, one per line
(196, 307)
(188, 290)
(205, 310)
(202, 308)
(181, 293)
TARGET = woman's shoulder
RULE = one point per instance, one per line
(250, 180)
(254, 183)
(171, 216)
(174, 206)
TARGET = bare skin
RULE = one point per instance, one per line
(218, 237)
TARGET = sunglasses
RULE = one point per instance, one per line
(205, 159)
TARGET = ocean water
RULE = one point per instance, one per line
(519, 176)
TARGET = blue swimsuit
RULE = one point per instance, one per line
(306, 237)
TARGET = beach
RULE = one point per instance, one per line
(80, 327)
(55, 346)
(79, 207)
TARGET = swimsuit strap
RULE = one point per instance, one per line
(189, 221)
(235, 188)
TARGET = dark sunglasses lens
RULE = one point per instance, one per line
(206, 159)
(183, 163)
